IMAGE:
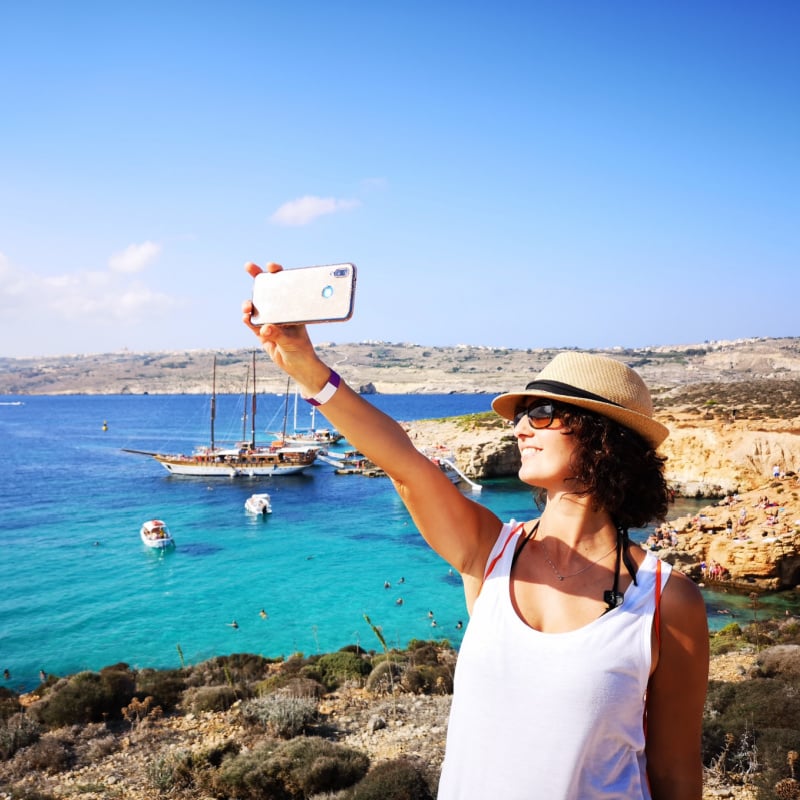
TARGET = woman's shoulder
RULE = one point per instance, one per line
(682, 596)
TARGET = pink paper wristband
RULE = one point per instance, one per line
(327, 391)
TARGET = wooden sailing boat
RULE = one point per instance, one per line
(244, 459)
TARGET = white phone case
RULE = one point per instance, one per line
(304, 295)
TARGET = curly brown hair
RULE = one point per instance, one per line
(614, 465)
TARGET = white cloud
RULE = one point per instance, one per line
(85, 297)
(135, 257)
(306, 209)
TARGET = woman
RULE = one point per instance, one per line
(583, 669)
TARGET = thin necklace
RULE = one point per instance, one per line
(572, 574)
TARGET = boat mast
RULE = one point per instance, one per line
(244, 413)
(213, 400)
(253, 410)
(285, 410)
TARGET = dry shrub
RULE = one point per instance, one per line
(238, 668)
(14, 793)
(787, 789)
(170, 770)
(9, 703)
(209, 698)
(50, 754)
(384, 677)
(98, 749)
(282, 714)
(782, 660)
(428, 680)
(16, 732)
(296, 685)
(751, 727)
(420, 653)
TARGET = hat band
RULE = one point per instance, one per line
(556, 387)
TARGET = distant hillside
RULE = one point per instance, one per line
(391, 368)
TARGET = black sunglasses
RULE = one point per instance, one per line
(539, 414)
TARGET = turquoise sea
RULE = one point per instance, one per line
(78, 589)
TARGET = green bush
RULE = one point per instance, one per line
(400, 779)
(322, 766)
(293, 770)
(726, 640)
(254, 775)
(336, 668)
(164, 686)
(86, 697)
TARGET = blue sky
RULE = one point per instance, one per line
(512, 174)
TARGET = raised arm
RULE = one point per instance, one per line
(458, 529)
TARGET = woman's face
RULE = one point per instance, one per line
(545, 446)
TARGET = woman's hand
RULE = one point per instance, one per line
(289, 346)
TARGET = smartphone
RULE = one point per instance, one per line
(304, 295)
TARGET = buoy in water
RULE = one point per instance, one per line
(105, 425)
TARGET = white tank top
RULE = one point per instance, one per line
(550, 716)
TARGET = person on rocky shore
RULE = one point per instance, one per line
(584, 664)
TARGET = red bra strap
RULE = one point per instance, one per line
(498, 557)
(657, 627)
(657, 614)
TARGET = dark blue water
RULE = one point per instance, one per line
(78, 590)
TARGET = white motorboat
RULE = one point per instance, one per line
(258, 503)
(154, 533)
(445, 460)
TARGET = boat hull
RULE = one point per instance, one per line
(154, 534)
(180, 467)
(161, 544)
(253, 465)
(258, 504)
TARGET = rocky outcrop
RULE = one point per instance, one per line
(748, 541)
(716, 459)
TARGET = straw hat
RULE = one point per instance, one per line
(597, 383)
